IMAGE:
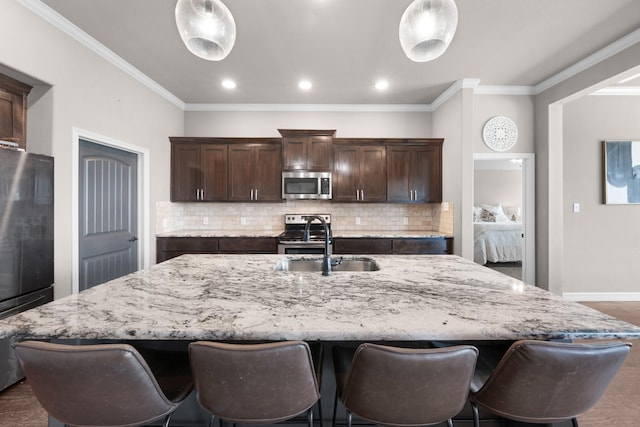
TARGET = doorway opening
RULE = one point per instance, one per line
(503, 214)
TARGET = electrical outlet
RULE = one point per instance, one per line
(405, 220)
(165, 223)
(357, 220)
(205, 220)
(243, 220)
(445, 206)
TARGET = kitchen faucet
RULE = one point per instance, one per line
(326, 261)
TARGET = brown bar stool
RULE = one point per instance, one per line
(254, 383)
(403, 387)
(100, 385)
(545, 382)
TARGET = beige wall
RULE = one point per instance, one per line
(602, 242)
(88, 93)
(498, 186)
(347, 124)
(447, 120)
(519, 108)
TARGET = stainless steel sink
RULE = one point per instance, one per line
(337, 264)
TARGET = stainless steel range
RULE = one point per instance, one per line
(293, 241)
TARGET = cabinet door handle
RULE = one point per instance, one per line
(251, 194)
(362, 195)
(256, 194)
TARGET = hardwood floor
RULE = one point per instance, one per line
(19, 407)
(619, 407)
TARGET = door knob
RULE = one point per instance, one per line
(133, 239)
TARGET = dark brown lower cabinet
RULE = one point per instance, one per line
(362, 246)
(388, 246)
(171, 247)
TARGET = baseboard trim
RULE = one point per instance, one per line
(602, 296)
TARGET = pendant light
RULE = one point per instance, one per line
(206, 27)
(427, 28)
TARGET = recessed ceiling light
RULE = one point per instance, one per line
(305, 85)
(382, 84)
(229, 84)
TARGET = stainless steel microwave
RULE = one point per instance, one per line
(306, 185)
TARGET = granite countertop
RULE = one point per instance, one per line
(389, 234)
(275, 233)
(221, 233)
(242, 297)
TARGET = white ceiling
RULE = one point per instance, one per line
(344, 46)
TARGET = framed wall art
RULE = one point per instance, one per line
(621, 172)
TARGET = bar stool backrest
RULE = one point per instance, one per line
(91, 385)
(408, 387)
(541, 381)
(254, 383)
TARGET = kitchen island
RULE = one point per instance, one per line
(243, 298)
(410, 300)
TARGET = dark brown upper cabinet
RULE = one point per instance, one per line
(414, 171)
(359, 172)
(198, 172)
(307, 150)
(225, 169)
(13, 110)
(255, 172)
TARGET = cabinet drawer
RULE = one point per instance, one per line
(423, 246)
(187, 244)
(254, 245)
(361, 246)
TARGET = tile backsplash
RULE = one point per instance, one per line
(269, 216)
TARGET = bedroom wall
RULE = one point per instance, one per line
(498, 186)
(602, 242)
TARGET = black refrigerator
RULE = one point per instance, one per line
(26, 243)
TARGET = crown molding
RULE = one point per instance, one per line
(66, 26)
(591, 60)
(452, 90)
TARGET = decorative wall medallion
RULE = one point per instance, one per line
(500, 133)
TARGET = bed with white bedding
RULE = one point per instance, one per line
(497, 241)
(496, 238)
